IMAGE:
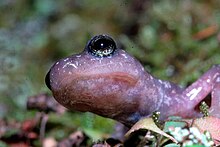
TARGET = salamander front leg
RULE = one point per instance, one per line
(206, 84)
(215, 103)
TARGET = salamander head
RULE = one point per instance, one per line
(101, 79)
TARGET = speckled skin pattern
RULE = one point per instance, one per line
(118, 87)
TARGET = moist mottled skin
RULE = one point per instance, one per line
(113, 84)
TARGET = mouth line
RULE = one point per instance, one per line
(121, 77)
(118, 76)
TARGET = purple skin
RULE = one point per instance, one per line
(109, 82)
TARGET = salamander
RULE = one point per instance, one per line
(106, 80)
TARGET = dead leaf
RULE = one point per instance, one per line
(148, 124)
(210, 124)
(207, 32)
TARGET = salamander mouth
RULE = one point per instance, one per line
(89, 87)
(118, 77)
(98, 93)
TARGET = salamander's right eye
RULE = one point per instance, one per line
(101, 46)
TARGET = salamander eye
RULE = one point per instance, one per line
(47, 80)
(101, 46)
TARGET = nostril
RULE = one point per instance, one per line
(101, 46)
(47, 80)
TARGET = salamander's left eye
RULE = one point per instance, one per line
(101, 46)
(47, 80)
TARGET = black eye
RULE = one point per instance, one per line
(47, 80)
(101, 46)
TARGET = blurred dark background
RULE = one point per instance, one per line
(174, 39)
